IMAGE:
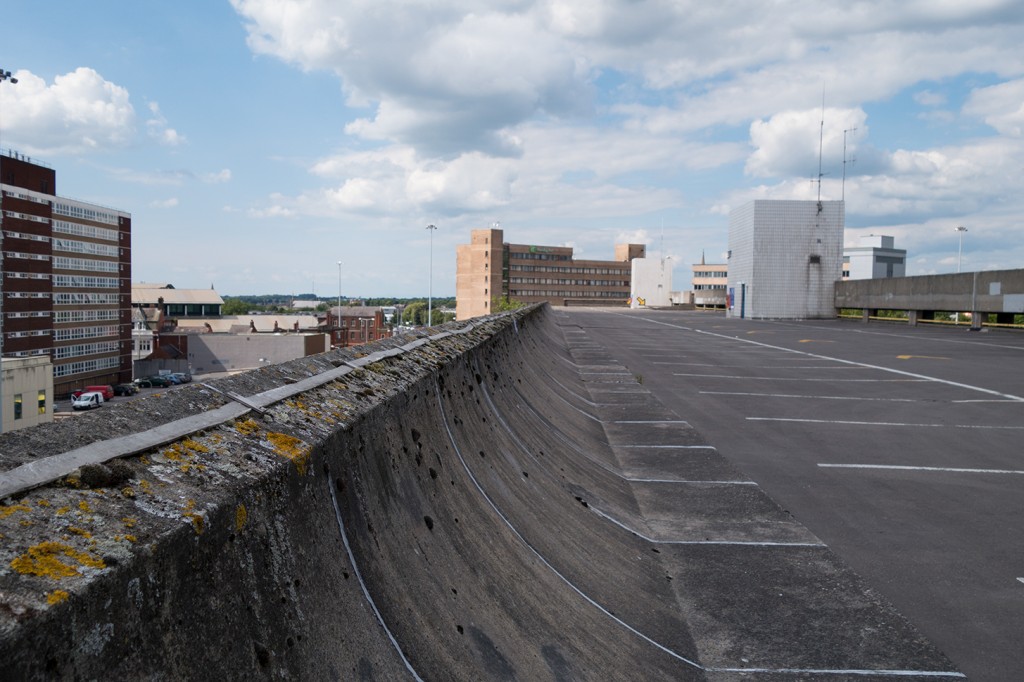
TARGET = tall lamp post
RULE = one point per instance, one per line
(430, 281)
(339, 303)
(4, 76)
(960, 250)
(959, 255)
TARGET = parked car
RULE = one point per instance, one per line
(106, 390)
(152, 382)
(183, 377)
(87, 401)
(126, 389)
(173, 378)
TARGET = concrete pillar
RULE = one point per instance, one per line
(866, 314)
(976, 320)
(912, 318)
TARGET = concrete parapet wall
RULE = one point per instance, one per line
(455, 511)
(991, 291)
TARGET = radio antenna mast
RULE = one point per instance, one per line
(848, 130)
(821, 139)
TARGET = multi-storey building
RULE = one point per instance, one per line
(709, 284)
(875, 256)
(65, 279)
(488, 269)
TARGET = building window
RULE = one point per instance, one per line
(42, 402)
(17, 406)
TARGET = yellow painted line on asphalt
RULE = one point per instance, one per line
(920, 357)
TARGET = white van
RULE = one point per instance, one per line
(87, 401)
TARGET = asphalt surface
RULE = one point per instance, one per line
(899, 447)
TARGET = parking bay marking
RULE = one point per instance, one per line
(898, 467)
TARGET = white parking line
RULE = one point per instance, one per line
(856, 423)
(898, 467)
(811, 397)
(666, 447)
(831, 381)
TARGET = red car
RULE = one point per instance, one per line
(106, 390)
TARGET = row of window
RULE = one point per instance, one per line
(84, 213)
(85, 299)
(566, 294)
(83, 366)
(538, 256)
(68, 334)
(28, 294)
(27, 197)
(28, 353)
(568, 270)
(65, 263)
(61, 352)
(26, 216)
(571, 282)
(19, 401)
(85, 282)
(25, 256)
(26, 235)
(62, 316)
(708, 287)
(27, 275)
(33, 313)
(85, 230)
(22, 335)
(710, 273)
(88, 248)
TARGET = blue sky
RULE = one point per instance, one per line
(258, 142)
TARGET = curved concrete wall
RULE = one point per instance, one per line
(455, 512)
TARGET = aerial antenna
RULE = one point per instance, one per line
(821, 139)
(848, 130)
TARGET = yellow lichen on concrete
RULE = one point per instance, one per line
(63, 510)
(129, 522)
(43, 502)
(195, 518)
(56, 597)
(194, 446)
(80, 531)
(247, 427)
(292, 448)
(241, 516)
(45, 559)
(84, 506)
(8, 509)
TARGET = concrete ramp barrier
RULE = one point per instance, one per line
(500, 503)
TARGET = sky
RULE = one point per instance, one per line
(257, 143)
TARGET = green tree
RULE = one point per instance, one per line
(236, 306)
(503, 305)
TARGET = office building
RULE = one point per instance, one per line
(709, 284)
(65, 287)
(487, 269)
(785, 258)
(874, 257)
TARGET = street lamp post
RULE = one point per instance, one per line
(960, 250)
(959, 256)
(430, 280)
(4, 76)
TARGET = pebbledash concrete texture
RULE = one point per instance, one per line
(475, 507)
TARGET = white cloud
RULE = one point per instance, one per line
(165, 203)
(79, 112)
(1000, 106)
(220, 176)
(159, 130)
(790, 143)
